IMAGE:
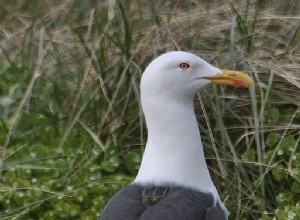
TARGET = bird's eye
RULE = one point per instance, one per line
(184, 66)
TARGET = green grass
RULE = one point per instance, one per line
(71, 128)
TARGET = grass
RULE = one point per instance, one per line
(71, 129)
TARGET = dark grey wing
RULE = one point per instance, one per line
(181, 204)
(125, 205)
(216, 212)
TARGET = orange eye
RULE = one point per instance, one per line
(184, 66)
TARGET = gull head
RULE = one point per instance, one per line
(181, 74)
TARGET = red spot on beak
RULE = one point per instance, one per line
(240, 84)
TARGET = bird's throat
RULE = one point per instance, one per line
(174, 153)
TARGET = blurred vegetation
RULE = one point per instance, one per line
(71, 128)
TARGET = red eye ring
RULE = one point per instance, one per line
(184, 66)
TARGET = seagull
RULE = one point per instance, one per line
(173, 182)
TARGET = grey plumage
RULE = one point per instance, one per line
(180, 203)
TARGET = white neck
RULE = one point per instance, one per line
(174, 153)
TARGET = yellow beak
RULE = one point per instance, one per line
(232, 78)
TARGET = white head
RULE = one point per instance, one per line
(177, 74)
(182, 74)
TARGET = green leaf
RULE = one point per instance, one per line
(287, 145)
(271, 115)
(266, 217)
(288, 212)
(295, 187)
(296, 160)
(268, 156)
(74, 210)
(81, 196)
(272, 139)
(50, 215)
(284, 199)
(249, 155)
(278, 173)
(112, 151)
(110, 165)
(89, 215)
(133, 161)
(99, 201)
(62, 209)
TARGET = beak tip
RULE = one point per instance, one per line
(243, 84)
(233, 78)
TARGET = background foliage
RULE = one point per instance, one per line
(71, 128)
